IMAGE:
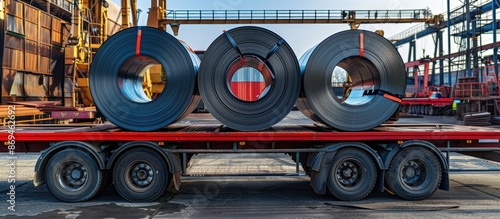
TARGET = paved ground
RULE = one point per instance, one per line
(472, 195)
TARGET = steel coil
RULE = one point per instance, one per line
(116, 76)
(377, 73)
(258, 49)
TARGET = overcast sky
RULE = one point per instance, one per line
(300, 36)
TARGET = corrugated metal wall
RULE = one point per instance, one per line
(32, 53)
(2, 40)
(248, 84)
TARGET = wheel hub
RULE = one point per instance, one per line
(75, 175)
(411, 172)
(347, 173)
(142, 174)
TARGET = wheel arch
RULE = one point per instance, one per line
(321, 163)
(172, 159)
(89, 147)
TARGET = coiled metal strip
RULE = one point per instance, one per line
(256, 48)
(374, 66)
(116, 76)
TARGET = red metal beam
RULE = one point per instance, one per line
(479, 48)
(427, 101)
(257, 136)
(416, 63)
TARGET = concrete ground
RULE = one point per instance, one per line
(472, 194)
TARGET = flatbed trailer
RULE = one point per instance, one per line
(77, 162)
(426, 105)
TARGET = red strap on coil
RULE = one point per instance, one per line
(393, 98)
(390, 96)
(138, 42)
(361, 45)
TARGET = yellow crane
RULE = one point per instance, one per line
(88, 31)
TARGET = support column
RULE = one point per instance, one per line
(133, 10)
(441, 60)
(436, 48)
(412, 53)
(467, 39)
(125, 13)
(2, 41)
(475, 55)
(495, 49)
(154, 14)
(448, 24)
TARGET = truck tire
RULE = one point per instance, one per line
(107, 179)
(405, 108)
(432, 111)
(73, 176)
(353, 175)
(414, 174)
(141, 175)
(414, 109)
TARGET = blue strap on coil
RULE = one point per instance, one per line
(274, 49)
(233, 43)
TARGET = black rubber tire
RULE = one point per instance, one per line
(78, 163)
(425, 174)
(354, 161)
(107, 179)
(144, 161)
(406, 108)
(432, 111)
(414, 109)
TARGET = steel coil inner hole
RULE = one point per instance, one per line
(141, 79)
(249, 79)
(351, 77)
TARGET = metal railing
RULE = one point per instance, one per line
(456, 12)
(248, 15)
(412, 31)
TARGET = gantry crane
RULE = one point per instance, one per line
(88, 31)
(160, 17)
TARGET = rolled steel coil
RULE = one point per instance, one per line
(249, 47)
(377, 73)
(116, 76)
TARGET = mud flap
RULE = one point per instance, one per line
(177, 180)
(320, 169)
